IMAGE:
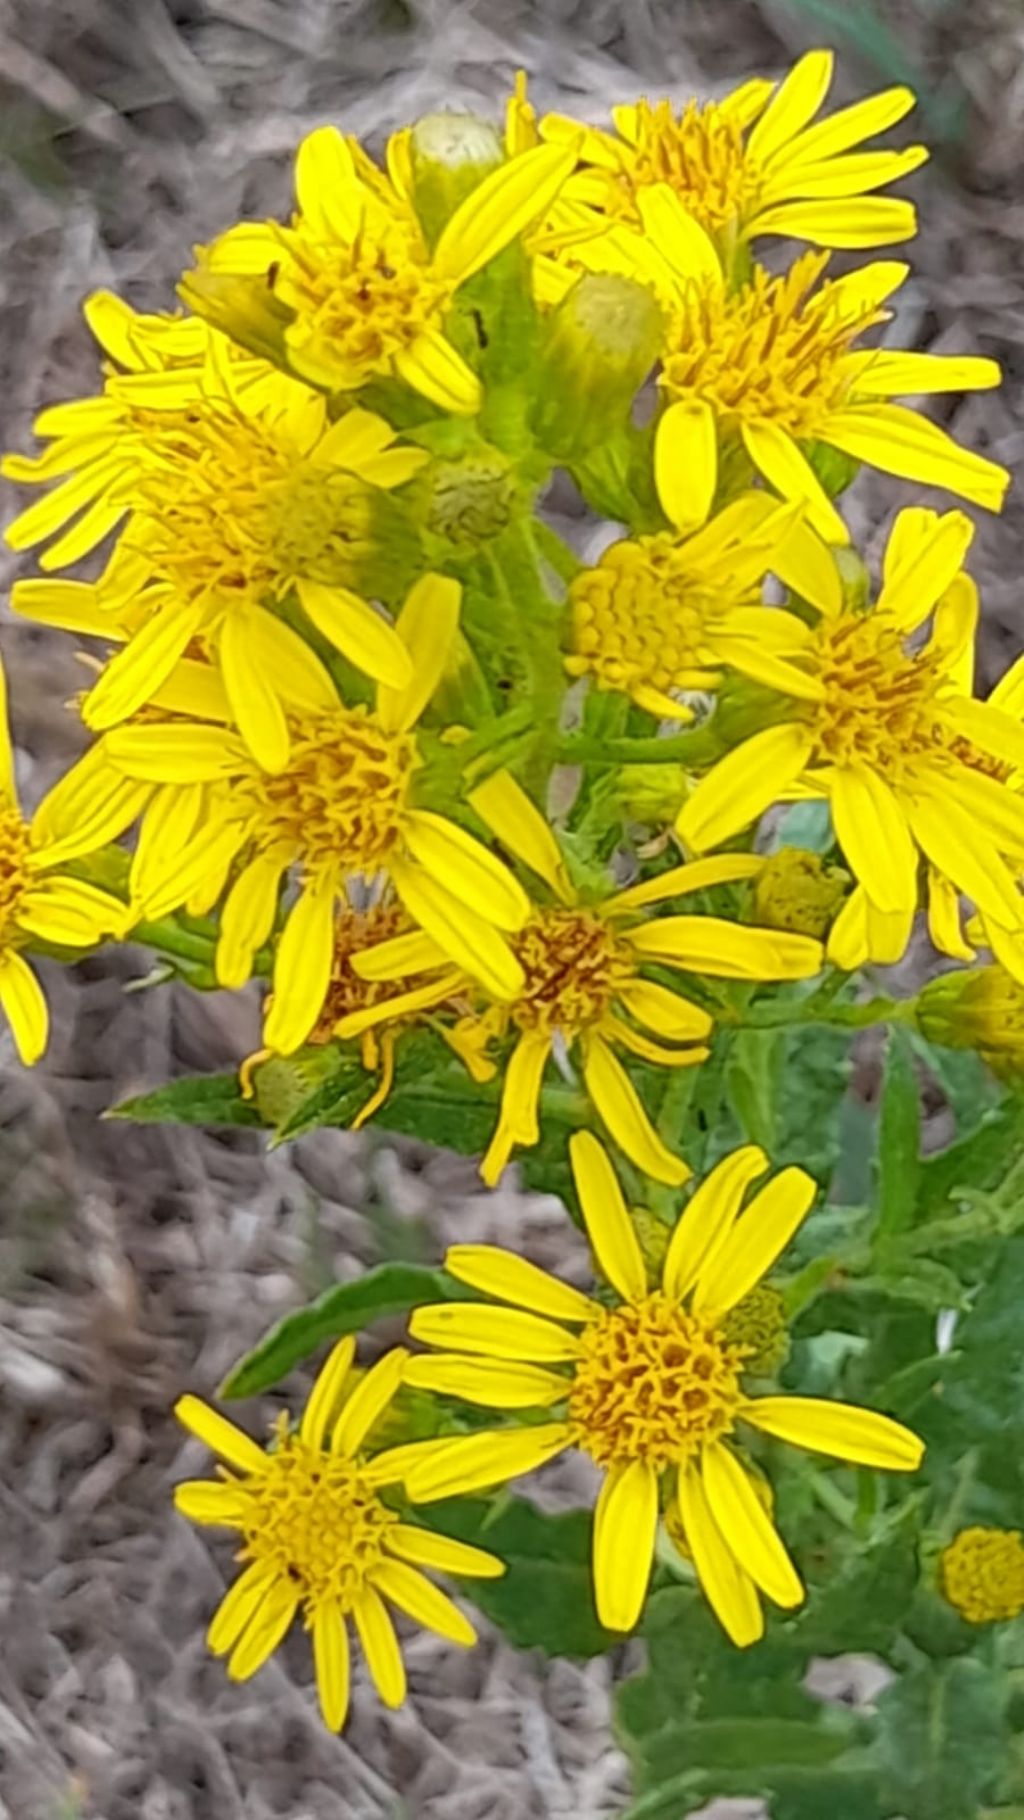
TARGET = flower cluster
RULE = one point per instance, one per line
(481, 814)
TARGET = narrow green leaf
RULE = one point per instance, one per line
(201, 1099)
(899, 1141)
(345, 1308)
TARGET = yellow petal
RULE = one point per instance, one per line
(498, 210)
(246, 919)
(921, 561)
(695, 875)
(520, 1098)
(239, 1606)
(709, 944)
(730, 1592)
(709, 1216)
(302, 969)
(174, 754)
(949, 837)
(609, 1227)
(793, 105)
(744, 783)
(496, 1333)
(396, 958)
(944, 919)
(681, 241)
(518, 824)
(422, 998)
(297, 674)
(432, 367)
(492, 1383)
(893, 372)
(510, 1278)
(900, 442)
(202, 1501)
(617, 1102)
(776, 456)
(368, 1402)
(327, 1392)
(464, 867)
(420, 1600)
(133, 676)
(327, 189)
(24, 1005)
(469, 941)
(667, 1013)
(380, 1646)
(850, 125)
(332, 1662)
(864, 221)
(472, 1462)
(875, 837)
(426, 626)
(255, 705)
(686, 462)
(858, 1435)
(422, 1548)
(754, 1242)
(220, 1435)
(625, 1527)
(356, 630)
(747, 1528)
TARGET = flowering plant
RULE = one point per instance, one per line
(583, 857)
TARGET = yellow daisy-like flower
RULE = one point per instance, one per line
(756, 162)
(362, 294)
(773, 364)
(245, 502)
(910, 763)
(98, 443)
(584, 988)
(652, 1388)
(317, 1540)
(661, 614)
(38, 903)
(981, 1573)
(342, 809)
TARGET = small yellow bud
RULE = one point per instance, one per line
(981, 1573)
(758, 1324)
(982, 1010)
(651, 793)
(798, 891)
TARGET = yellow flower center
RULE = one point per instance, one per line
(638, 618)
(700, 154)
(982, 1574)
(357, 306)
(769, 351)
(355, 930)
(879, 702)
(655, 1384)
(315, 1520)
(238, 513)
(574, 966)
(339, 801)
(15, 845)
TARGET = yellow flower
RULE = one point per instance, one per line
(909, 763)
(343, 809)
(362, 294)
(652, 1389)
(754, 163)
(664, 613)
(240, 496)
(38, 903)
(317, 1540)
(773, 365)
(981, 1008)
(96, 444)
(583, 986)
(982, 1574)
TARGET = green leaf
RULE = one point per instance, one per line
(942, 1737)
(899, 1142)
(201, 1099)
(752, 1073)
(545, 1600)
(980, 1160)
(345, 1308)
(859, 1597)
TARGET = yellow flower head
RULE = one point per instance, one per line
(583, 987)
(652, 1388)
(910, 763)
(799, 890)
(981, 1009)
(343, 809)
(754, 163)
(317, 1540)
(361, 294)
(662, 614)
(247, 501)
(982, 1574)
(38, 903)
(97, 444)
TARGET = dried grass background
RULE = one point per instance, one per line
(134, 1264)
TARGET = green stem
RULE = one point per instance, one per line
(167, 937)
(813, 1011)
(678, 748)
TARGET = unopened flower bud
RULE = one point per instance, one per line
(798, 891)
(467, 499)
(982, 1010)
(652, 794)
(981, 1574)
(601, 343)
(758, 1324)
(449, 154)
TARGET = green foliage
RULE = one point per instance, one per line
(201, 1099)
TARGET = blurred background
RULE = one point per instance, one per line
(134, 1264)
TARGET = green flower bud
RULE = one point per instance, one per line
(798, 891)
(466, 499)
(758, 1323)
(449, 154)
(653, 794)
(982, 1010)
(601, 342)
